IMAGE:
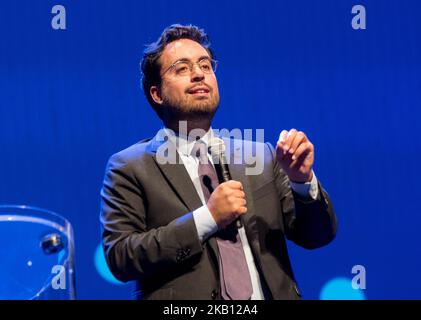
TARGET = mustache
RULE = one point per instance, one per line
(199, 84)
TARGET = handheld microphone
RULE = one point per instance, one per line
(217, 151)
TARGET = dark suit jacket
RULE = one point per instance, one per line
(149, 234)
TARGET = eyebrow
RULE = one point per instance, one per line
(188, 60)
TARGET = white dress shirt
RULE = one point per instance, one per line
(205, 224)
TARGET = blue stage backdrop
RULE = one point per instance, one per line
(71, 98)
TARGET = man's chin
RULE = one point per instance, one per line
(204, 107)
(203, 110)
(196, 110)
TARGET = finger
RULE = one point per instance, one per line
(280, 153)
(283, 156)
(239, 194)
(236, 202)
(242, 202)
(300, 154)
(242, 210)
(281, 142)
(234, 184)
(290, 137)
(299, 138)
(283, 136)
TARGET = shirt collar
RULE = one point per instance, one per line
(185, 144)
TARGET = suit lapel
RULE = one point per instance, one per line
(174, 171)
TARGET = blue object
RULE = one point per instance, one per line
(341, 289)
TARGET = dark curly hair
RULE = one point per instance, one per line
(150, 67)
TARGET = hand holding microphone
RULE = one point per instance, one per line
(227, 202)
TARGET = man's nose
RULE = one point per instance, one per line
(197, 74)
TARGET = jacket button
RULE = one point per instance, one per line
(297, 291)
(214, 294)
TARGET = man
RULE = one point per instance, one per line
(173, 227)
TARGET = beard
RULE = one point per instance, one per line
(190, 109)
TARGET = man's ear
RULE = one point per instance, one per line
(155, 94)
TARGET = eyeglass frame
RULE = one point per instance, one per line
(214, 64)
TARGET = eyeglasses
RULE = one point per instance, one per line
(185, 67)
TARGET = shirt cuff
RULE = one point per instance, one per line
(205, 223)
(307, 189)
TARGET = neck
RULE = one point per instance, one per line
(187, 127)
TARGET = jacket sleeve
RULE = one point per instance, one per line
(309, 223)
(132, 250)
